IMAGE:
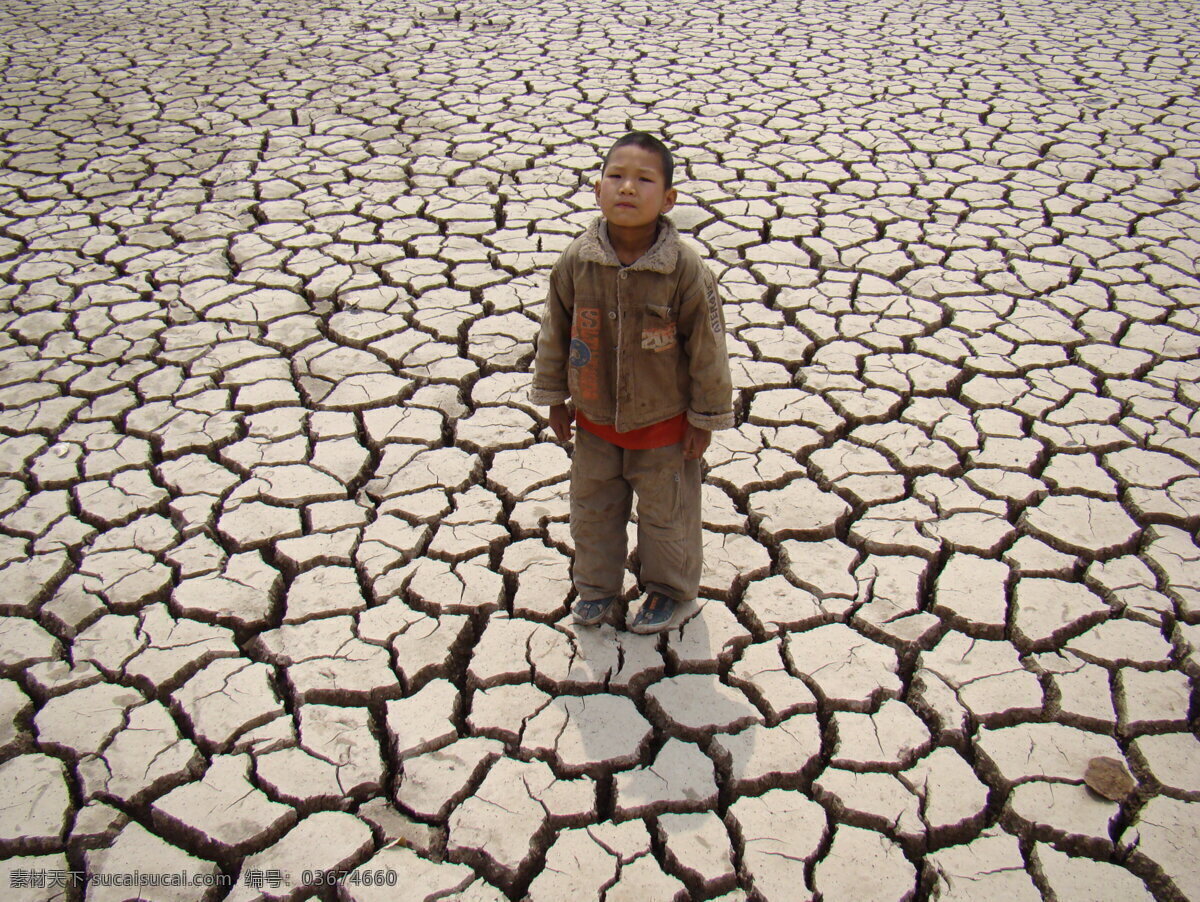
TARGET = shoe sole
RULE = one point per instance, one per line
(651, 630)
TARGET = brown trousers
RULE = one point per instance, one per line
(603, 481)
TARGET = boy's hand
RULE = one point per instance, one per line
(695, 442)
(560, 422)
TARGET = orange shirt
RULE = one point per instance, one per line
(656, 435)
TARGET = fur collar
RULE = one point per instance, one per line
(596, 248)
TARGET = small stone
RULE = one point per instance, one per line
(1109, 777)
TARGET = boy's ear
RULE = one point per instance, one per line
(669, 198)
(596, 190)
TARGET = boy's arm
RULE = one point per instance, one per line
(702, 327)
(553, 343)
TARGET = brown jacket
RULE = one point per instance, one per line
(634, 345)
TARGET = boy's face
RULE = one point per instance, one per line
(632, 191)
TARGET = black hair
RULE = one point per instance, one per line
(646, 141)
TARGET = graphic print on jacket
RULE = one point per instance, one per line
(585, 352)
(658, 329)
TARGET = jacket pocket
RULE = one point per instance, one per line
(659, 330)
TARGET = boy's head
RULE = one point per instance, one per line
(646, 141)
(634, 187)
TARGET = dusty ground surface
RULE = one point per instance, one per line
(285, 561)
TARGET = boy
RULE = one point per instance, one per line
(633, 334)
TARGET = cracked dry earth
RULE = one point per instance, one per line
(285, 559)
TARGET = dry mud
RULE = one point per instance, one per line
(283, 545)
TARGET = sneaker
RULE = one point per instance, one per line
(656, 614)
(591, 611)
